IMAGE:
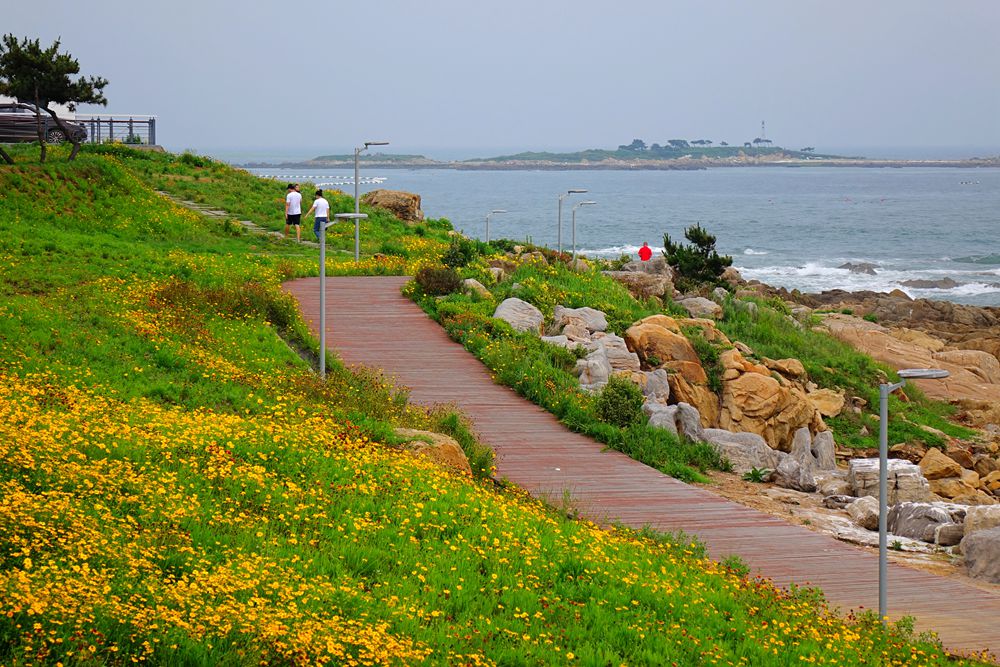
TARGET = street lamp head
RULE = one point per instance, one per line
(350, 216)
(498, 210)
(376, 143)
(584, 203)
(923, 373)
(575, 191)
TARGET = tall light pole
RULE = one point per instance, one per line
(357, 202)
(576, 206)
(883, 472)
(322, 285)
(574, 191)
(488, 216)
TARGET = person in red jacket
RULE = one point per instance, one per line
(645, 252)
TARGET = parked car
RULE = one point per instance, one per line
(18, 123)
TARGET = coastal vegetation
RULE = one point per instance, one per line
(177, 486)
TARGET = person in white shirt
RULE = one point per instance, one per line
(293, 210)
(322, 208)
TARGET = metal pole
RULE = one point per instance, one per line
(573, 265)
(357, 209)
(322, 301)
(883, 495)
(152, 131)
(559, 232)
(488, 227)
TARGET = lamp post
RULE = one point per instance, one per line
(583, 203)
(883, 472)
(574, 191)
(357, 202)
(322, 284)
(488, 216)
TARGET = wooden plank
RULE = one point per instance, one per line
(369, 323)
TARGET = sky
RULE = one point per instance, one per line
(459, 78)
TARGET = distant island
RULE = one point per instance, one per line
(674, 154)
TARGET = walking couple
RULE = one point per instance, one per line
(293, 212)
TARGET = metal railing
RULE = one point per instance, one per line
(121, 128)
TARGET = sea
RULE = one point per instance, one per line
(792, 227)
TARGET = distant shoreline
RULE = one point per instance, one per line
(678, 164)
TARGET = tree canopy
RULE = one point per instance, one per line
(44, 76)
(698, 262)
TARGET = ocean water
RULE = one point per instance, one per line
(790, 227)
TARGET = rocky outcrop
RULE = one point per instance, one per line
(643, 285)
(982, 518)
(982, 555)
(679, 419)
(918, 521)
(790, 474)
(864, 512)
(935, 465)
(520, 315)
(473, 286)
(905, 481)
(403, 205)
(745, 451)
(754, 401)
(699, 306)
(442, 449)
(589, 318)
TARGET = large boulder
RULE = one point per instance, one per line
(442, 449)
(697, 395)
(815, 453)
(905, 481)
(657, 265)
(982, 554)
(864, 512)
(403, 205)
(977, 362)
(827, 402)
(761, 404)
(473, 286)
(936, 465)
(699, 306)
(590, 318)
(679, 419)
(659, 346)
(790, 474)
(982, 518)
(520, 315)
(655, 385)
(594, 370)
(745, 451)
(918, 521)
(643, 285)
(622, 360)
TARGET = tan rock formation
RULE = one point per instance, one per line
(761, 404)
(827, 402)
(651, 340)
(442, 449)
(936, 465)
(981, 364)
(951, 487)
(698, 395)
(875, 341)
(403, 205)
(790, 368)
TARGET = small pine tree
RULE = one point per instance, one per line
(698, 262)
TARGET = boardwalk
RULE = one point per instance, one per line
(371, 324)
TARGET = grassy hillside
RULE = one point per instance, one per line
(178, 487)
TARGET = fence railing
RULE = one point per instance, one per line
(121, 128)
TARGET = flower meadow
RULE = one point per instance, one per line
(178, 487)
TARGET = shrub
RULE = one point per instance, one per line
(620, 403)
(696, 263)
(460, 252)
(438, 280)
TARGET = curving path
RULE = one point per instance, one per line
(370, 323)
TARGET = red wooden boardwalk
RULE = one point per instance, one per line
(370, 323)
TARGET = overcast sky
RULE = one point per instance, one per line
(460, 78)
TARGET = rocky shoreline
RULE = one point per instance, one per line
(766, 416)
